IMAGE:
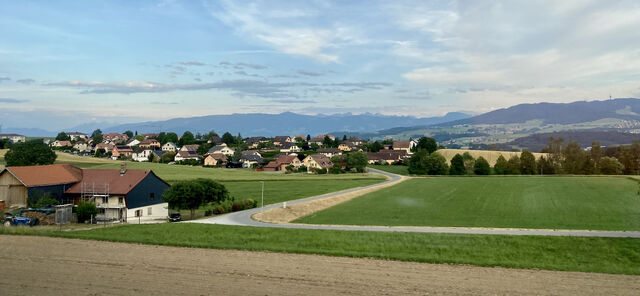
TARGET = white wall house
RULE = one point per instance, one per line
(170, 146)
(148, 213)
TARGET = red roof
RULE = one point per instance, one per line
(118, 184)
(42, 175)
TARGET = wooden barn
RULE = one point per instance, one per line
(21, 182)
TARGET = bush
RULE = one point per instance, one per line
(321, 171)
(85, 210)
(218, 210)
(30, 153)
(481, 167)
(302, 169)
(244, 204)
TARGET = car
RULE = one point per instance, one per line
(175, 217)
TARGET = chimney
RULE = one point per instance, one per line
(123, 168)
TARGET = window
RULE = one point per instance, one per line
(149, 211)
(152, 195)
(105, 199)
(138, 213)
(121, 200)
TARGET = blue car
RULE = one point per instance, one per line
(19, 221)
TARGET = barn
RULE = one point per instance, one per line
(21, 182)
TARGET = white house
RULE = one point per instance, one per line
(76, 136)
(170, 146)
(184, 155)
(141, 154)
(289, 147)
(133, 142)
(222, 149)
(82, 147)
(13, 138)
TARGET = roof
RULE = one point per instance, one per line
(64, 143)
(387, 155)
(188, 154)
(288, 145)
(322, 160)
(10, 135)
(42, 175)
(329, 150)
(281, 138)
(401, 145)
(216, 148)
(250, 152)
(193, 147)
(252, 157)
(124, 148)
(218, 156)
(118, 184)
(170, 144)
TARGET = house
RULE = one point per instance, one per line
(301, 138)
(193, 148)
(149, 136)
(121, 151)
(215, 159)
(251, 152)
(133, 142)
(142, 154)
(82, 147)
(13, 138)
(104, 146)
(281, 163)
(289, 147)
(356, 141)
(114, 138)
(402, 146)
(317, 162)
(348, 146)
(122, 195)
(279, 140)
(251, 160)
(387, 156)
(318, 140)
(20, 182)
(222, 149)
(150, 143)
(76, 136)
(185, 155)
(253, 142)
(170, 146)
(329, 152)
(215, 140)
(58, 143)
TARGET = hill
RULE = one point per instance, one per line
(537, 142)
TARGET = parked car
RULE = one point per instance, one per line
(10, 220)
(175, 217)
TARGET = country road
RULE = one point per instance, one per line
(244, 218)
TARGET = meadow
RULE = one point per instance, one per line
(607, 255)
(394, 169)
(596, 203)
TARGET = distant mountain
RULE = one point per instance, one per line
(29, 132)
(558, 113)
(537, 142)
(257, 124)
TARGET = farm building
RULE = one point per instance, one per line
(119, 194)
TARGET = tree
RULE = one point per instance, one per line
(62, 136)
(596, 154)
(437, 164)
(97, 136)
(544, 166)
(481, 167)
(469, 162)
(161, 138)
(457, 166)
(500, 168)
(357, 161)
(418, 163)
(187, 139)
(375, 147)
(421, 163)
(129, 134)
(85, 211)
(195, 193)
(426, 143)
(573, 159)
(513, 166)
(335, 169)
(167, 157)
(630, 158)
(228, 138)
(30, 153)
(527, 163)
(610, 166)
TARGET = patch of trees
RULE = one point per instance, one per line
(30, 153)
(192, 194)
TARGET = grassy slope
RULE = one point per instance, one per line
(609, 255)
(603, 203)
(395, 169)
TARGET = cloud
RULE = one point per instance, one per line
(192, 63)
(241, 66)
(285, 101)
(12, 101)
(309, 73)
(4, 79)
(26, 81)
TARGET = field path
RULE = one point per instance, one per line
(34, 265)
(277, 217)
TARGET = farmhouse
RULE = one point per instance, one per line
(386, 156)
(20, 182)
(317, 162)
(215, 159)
(282, 162)
(150, 143)
(403, 146)
(13, 138)
(279, 140)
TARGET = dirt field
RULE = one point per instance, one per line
(51, 266)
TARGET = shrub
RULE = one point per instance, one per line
(481, 167)
(218, 210)
(243, 205)
(302, 169)
(321, 171)
(85, 210)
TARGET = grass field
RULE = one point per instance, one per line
(608, 255)
(394, 169)
(598, 203)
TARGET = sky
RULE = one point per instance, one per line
(66, 63)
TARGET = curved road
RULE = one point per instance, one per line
(243, 218)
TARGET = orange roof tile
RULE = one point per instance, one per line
(42, 175)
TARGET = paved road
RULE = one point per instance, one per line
(243, 218)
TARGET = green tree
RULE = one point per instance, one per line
(426, 143)
(630, 158)
(513, 166)
(527, 163)
(573, 159)
(167, 157)
(171, 137)
(500, 168)
(469, 162)
(481, 167)
(457, 166)
(228, 138)
(610, 166)
(85, 211)
(376, 146)
(437, 164)
(357, 161)
(62, 136)
(596, 154)
(418, 163)
(30, 153)
(129, 134)
(97, 136)
(336, 169)
(544, 166)
(195, 193)
(187, 139)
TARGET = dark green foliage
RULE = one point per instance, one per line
(513, 166)
(187, 139)
(302, 169)
(457, 166)
(130, 134)
(195, 193)
(97, 136)
(422, 163)
(357, 161)
(244, 204)
(321, 171)
(40, 199)
(527, 163)
(228, 138)
(30, 153)
(418, 163)
(610, 166)
(500, 168)
(426, 143)
(336, 169)
(544, 166)
(62, 136)
(469, 162)
(85, 211)
(573, 159)
(481, 167)
(171, 137)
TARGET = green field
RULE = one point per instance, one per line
(608, 255)
(597, 203)
(394, 169)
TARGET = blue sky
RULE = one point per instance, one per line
(64, 63)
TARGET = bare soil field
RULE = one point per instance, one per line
(52, 266)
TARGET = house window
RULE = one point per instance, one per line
(105, 199)
(152, 195)
(121, 200)
(138, 213)
(149, 211)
